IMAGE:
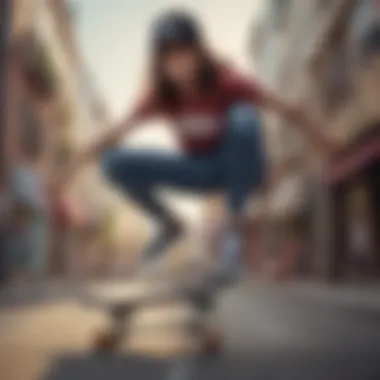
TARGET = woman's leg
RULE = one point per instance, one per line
(246, 169)
(245, 157)
(140, 173)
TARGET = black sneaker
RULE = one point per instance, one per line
(159, 244)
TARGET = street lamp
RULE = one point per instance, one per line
(5, 22)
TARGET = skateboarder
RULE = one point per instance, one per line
(214, 111)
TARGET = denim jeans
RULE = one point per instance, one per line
(236, 168)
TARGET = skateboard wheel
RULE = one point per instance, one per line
(212, 343)
(106, 342)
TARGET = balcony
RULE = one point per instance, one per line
(32, 139)
(37, 66)
(64, 113)
(362, 110)
(346, 70)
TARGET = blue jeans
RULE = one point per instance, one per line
(236, 168)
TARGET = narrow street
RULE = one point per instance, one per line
(271, 332)
(255, 123)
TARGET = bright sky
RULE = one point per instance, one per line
(113, 36)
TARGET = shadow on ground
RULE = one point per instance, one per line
(262, 365)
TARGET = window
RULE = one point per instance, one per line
(257, 39)
(335, 84)
(30, 132)
(292, 144)
(62, 156)
(365, 30)
(281, 13)
(324, 5)
(363, 15)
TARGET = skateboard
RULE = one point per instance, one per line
(120, 309)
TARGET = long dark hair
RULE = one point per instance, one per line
(166, 92)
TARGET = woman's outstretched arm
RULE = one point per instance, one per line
(302, 121)
(99, 145)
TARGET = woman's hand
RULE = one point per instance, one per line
(113, 136)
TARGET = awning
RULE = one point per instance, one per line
(354, 161)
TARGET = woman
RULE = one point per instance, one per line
(214, 114)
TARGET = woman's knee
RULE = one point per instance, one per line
(246, 139)
(244, 122)
(128, 168)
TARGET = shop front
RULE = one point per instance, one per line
(346, 66)
(354, 182)
(288, 240)
(28, 227)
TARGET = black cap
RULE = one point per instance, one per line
(175, 28)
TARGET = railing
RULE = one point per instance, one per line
(363, 109)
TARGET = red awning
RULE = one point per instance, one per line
(354, 161)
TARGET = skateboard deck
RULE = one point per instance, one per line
(132, 296)
(121, 301)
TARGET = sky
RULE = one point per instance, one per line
(113, 34)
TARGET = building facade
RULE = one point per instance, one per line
(345, 68)
(5, 23)
(44, 127)
(325, 55)
(31, 88)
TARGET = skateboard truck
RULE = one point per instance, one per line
(200, 296)
(188, 367)
(109, 340)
